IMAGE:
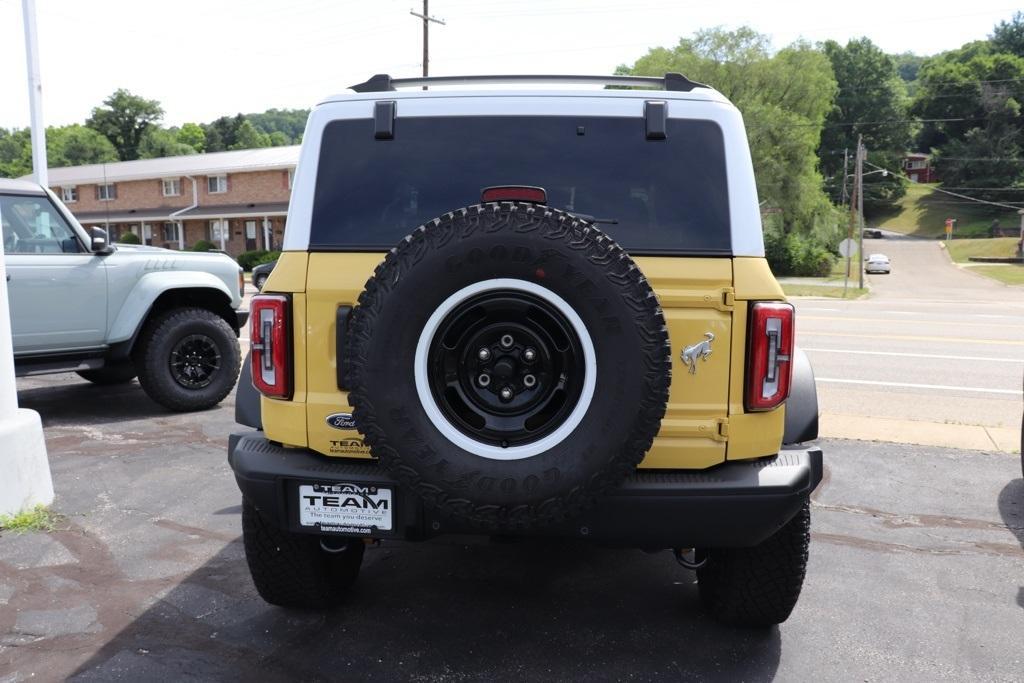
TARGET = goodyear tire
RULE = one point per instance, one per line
(509, 363)
(292, 570)
(758, 587)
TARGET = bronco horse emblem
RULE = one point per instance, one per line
(700, 350)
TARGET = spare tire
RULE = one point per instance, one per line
(509, 363)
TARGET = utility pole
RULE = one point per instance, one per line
(35, 94)
(861, 153)
(853, 206)
(846, 171)
(426, 36)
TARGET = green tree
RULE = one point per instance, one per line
(192, 134)
(123, 119)
(279, 139)
(15, 152)
(290, 122)
(222, 133)
(784, 98)
(248, 137)
(160, 142)
(76, 145)
(1008, 36)
(871, 103)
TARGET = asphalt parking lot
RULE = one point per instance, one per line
(916, 573)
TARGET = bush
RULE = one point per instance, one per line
(797, 255)
(204, 245)
(248, 259)
(129, 238)
(268, 257)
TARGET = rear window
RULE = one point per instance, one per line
(661, 196)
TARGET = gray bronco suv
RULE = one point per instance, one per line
(114, 312)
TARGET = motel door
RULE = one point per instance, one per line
(250, 235)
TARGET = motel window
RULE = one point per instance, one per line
(172, 187)
(218, 228)
(217, 184)
(107, 192)
(69, 194)
(170, 231)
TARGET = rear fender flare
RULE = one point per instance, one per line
(802, 404)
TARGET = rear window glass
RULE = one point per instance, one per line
(664, 196)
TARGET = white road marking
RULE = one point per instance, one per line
(916, 355)
(911, 337)
(909, 385)
(958, 323)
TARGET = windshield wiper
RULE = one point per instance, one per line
(592, 219)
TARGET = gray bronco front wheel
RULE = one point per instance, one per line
(188, 359)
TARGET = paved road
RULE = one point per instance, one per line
(933, 343)
(915, 575)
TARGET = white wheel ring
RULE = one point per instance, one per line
(467, 443)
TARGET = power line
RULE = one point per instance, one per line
(952, 194)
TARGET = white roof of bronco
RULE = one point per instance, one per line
(700, 102)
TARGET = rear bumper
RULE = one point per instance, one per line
(735, 504)
(242, 314)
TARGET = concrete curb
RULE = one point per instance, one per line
(967, 437)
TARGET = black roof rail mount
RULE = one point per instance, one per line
(671, 81)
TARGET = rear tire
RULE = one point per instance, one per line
(292, 570)
(109, 375)
(188, 359)
(259, 281)
(758, 587)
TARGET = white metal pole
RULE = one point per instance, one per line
(266, 234)
(35, 94)
(8, 392)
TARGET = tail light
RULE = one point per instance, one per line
(769, 355)
(514, 193)
(268, 340)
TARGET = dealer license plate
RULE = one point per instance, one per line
(346, 508)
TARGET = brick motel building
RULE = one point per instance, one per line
(236, 200)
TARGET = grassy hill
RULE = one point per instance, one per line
(961, 250)
(923, 212)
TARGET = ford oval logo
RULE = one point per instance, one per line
(341, 421)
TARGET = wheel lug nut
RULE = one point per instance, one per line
(484, 354)
(529, 355)
(529, 381)
(507, 341)
(484, 380)
(506, 393)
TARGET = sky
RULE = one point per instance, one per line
(202, 59)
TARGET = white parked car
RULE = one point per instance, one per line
(877, 263)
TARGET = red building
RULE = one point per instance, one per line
(918, 167)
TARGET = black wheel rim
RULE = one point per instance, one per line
(195, 361)
(506, 368)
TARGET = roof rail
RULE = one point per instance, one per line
(671, 81)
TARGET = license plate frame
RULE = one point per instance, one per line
(345, 508)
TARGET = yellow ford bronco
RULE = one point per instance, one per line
(527, 312)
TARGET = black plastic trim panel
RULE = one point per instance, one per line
(734, 504)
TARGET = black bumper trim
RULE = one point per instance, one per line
(243, 317)
(734, 504)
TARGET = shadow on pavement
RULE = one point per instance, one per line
(79, 401)
(445, 610)
(1011, 508)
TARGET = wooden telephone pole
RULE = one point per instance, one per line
(426, 35)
